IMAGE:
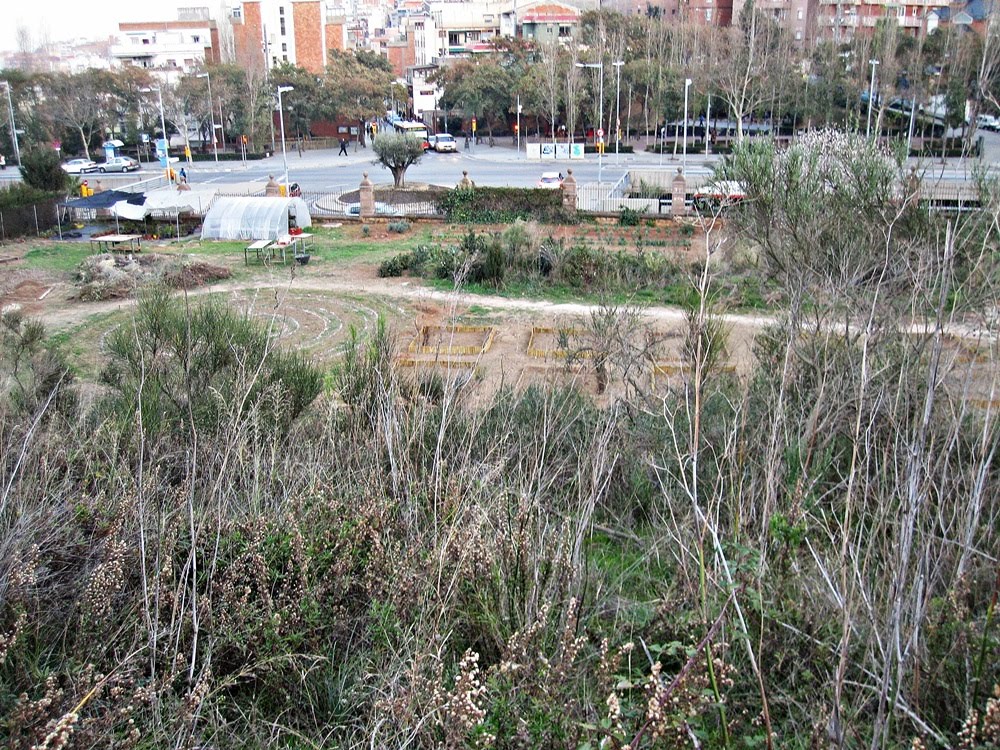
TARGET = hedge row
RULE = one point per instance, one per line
(489, 205)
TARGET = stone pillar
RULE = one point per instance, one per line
(272, 189)
(912, 187)
(568, 188)
(367, 192)
(465, 183)
(678, 194)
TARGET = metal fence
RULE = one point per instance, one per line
(24, 221)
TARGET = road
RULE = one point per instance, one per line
(502, 165)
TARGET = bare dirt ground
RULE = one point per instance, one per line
(315, 307)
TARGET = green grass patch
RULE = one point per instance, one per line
(59, 256)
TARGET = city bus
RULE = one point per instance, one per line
(414, 129)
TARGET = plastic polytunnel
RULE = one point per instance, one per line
(254, 218)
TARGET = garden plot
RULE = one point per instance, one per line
(557, 343)
(453, 340)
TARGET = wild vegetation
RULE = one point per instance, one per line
(219, 544)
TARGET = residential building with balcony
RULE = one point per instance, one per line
(169, 47)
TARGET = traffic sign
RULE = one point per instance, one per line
(600, 132)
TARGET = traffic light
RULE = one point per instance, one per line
(244, 139)
(517, 128)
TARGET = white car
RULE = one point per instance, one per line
(715, 195)
(381, 209)
(444, 142)
(79, 166)
(987, 122)
(119, 164)
(550, 180)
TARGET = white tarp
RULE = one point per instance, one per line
(254, 218)
(171, 201)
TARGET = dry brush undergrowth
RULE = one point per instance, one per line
(219, 546)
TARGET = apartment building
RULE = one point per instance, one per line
(169, 47)
(301, 32)
(842, 20)
(797, 16)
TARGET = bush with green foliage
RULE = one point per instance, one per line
(188, 368)
(482, 205)
(40, 168)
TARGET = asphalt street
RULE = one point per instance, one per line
(503, 165)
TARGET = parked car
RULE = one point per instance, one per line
(79, 166)
(119, 164)
(443, 142)
(550, 180)
(381, 209)
(720, 194)
(987, 122)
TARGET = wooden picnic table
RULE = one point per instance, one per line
(110, 243)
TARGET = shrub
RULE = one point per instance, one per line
(399, 227)
(195, 368)
(397, 265)
(40, 169)
(630, 217)
(502, 205)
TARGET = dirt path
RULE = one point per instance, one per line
(356, 284)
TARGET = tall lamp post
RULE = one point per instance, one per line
(618, 105)
(281, 117)
(871, 96)
(13, 128)
(600, 116)
(163, 127)
(211, 112)
(684, 157)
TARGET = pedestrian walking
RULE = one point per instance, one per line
(343, 147)
(184, 175)
(3, 162)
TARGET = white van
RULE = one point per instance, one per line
(987, 122)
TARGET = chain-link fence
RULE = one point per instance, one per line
(27, 221)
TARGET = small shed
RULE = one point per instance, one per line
(251, 218)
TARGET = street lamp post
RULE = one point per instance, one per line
(211, 112)
(618, 105)
(600, 116)
(684, 157)
(871, 97)
(13, 128)
(163, 127)
(281, 116)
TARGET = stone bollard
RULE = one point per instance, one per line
(568, 188)
(272, 189)
(678, 194)
(367, 192)
(465, 183)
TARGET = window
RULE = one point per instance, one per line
(281, 10)
(285, 58)
(284, 47)
(564, 31)
(171, 63)
(282, 29)
(145, 41)
(799, 14)
(237, 13)
(708, 14)
(798, 36)
(195, 39)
